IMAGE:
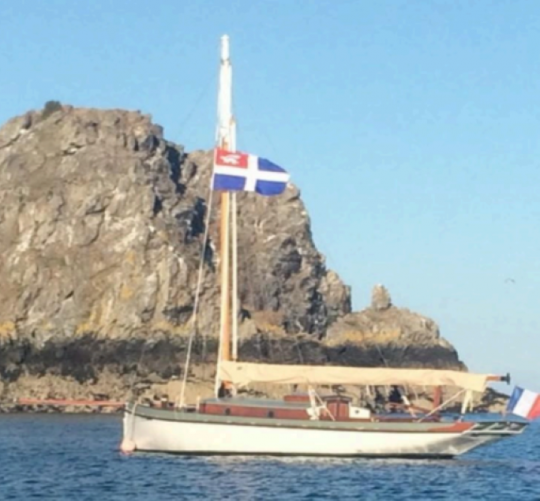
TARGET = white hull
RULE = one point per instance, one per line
(177, 436)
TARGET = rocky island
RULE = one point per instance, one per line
(102, 222)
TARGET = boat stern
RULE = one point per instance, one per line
(484, 433)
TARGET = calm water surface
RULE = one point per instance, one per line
(60, 458)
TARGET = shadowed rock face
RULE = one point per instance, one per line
(102, 225)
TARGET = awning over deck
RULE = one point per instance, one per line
(243, 374)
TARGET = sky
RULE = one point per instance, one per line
(410, 127)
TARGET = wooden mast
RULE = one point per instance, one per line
(226, 139)
(234, 278)
(225, 328)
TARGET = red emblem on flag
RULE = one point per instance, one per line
(226, 158)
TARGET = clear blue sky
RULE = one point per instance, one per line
(411, 127)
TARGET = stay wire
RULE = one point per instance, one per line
(197, 298)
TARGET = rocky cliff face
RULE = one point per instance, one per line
(102, 224)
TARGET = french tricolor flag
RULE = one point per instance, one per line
(524, 403)
(236, 171)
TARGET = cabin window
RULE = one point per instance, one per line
(271, 414)
(227, 411)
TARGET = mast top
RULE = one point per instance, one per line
(226, 136)
(225, 48)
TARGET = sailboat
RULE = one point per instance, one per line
(310, 423)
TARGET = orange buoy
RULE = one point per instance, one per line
(127, 446)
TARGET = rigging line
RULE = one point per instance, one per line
(134, 377)
(261, 292)
(444, 404)
(202, 94)
(381, 355)
(197, 297)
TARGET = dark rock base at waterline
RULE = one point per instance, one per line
(84, 358)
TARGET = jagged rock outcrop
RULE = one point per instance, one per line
(383, 334)
(102, 224)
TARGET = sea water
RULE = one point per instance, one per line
(76, 457)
